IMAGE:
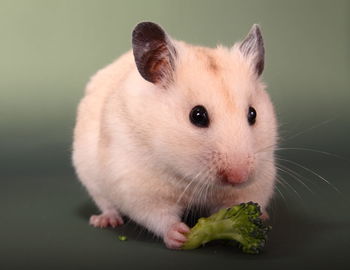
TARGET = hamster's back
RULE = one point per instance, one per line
(88, 122)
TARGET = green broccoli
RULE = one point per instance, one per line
(122, 237)
(241, 223)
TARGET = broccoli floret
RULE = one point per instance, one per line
(241, 223)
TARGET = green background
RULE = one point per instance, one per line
(48, 51)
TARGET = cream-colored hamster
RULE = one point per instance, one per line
(169, 126)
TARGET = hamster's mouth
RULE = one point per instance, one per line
(225, 183)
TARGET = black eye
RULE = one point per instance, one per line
(251, 116)
(199, 116)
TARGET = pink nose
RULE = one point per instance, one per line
(234, 176)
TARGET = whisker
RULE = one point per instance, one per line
(291, 173)
(264, 148)
(280, 193)
(289, 185)
(310, 128)
(196, 192)
(203, 197)
(312, 150)
(187, 186)
(310, 171)
(190, 202)
(275, 186)
(281, 180)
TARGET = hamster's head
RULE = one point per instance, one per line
(205, 111)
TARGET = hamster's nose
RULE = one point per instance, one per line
(233, 176)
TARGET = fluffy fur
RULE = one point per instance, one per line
(138, 154)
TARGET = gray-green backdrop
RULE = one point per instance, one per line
(48, 51)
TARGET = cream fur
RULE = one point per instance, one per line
(136, 151)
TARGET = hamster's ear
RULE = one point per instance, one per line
(253, 46)
(154, 53)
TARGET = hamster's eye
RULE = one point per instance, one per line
(251, 116)
(199, 116)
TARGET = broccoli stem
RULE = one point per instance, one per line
(220, 230)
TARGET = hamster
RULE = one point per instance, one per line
(169, 126)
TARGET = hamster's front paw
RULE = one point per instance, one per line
(110, 218)
(265, 216)
(175, 237)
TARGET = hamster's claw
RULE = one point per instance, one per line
(175, 237)
(106, 219)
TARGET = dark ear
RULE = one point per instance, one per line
(154, 53)
(253, 46)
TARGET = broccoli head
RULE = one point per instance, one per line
(241, 223)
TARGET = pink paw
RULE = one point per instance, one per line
(175, 237)
(265, 216)
(104, 220)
